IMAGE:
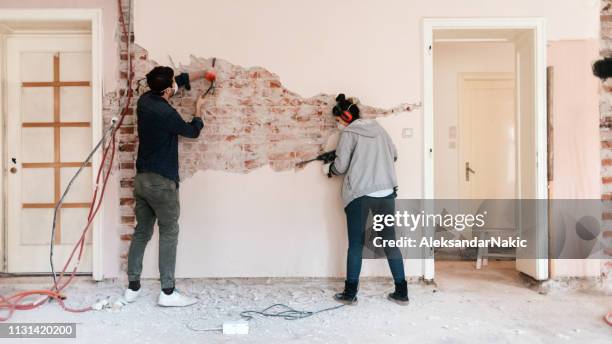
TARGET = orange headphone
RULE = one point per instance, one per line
(347, 116)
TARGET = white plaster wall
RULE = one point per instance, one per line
(325, 46)
(576, 135)
(292, 224)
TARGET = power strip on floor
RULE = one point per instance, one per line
(235, 327)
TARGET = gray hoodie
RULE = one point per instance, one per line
(365, 155)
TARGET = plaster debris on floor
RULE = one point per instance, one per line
(490, 305)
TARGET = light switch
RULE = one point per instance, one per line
(406, 133)
(452, 132)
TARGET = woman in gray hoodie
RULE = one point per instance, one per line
(365, 155)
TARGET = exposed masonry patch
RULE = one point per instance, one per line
(252, 120)
(605, 125)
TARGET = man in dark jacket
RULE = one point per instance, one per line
(157, 180)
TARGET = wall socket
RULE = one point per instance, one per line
(407, 133)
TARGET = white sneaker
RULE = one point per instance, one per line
(175, 299)
(130, 296)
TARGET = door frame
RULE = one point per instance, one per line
(94, 16)
(538, 25)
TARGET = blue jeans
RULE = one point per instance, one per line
(356, 217)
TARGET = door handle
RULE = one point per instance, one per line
(468, 170)
(13, 169)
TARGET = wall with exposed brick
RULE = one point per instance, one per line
(251, 121)
(267, 210)
(605, 129)
(296, 213)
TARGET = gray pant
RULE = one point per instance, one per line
(156, 198)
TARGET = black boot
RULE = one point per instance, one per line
(400, 296)
(349, 295)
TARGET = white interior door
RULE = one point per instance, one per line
(48, 136)
(531, 169)
(487, 134)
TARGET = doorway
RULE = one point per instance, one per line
(51, 109)
(485, 121)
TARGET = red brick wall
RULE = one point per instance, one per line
(125, 154)
(606, 128)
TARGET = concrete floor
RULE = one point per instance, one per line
(493, 305)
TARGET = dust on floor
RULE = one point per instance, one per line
(492, 305)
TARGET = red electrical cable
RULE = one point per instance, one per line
(13, 302)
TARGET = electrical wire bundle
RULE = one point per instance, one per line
(108, 142)
(285, 312)
(278, 310)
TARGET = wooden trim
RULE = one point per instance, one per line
(52, 205)
(57, 145)
(56, 124)
(53, 164)
(550, 77)
(55, 83)
(97, 33)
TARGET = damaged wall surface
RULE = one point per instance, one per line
(251, 121)
(249, 213)
(295, 219)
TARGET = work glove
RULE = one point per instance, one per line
(327, 157)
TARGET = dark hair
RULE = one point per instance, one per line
(160, 78)
(343, 104)
(603, 68)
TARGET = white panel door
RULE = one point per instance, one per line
(487, 159)
(48, 136)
